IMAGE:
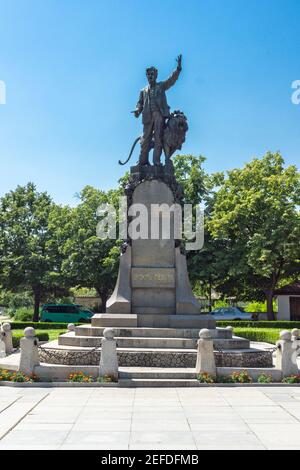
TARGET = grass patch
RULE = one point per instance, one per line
(42, 335)
(253, 333)
(283, 325)
(264, 335)
(18, 325)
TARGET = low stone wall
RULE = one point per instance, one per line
(244, 359)
(156, 359)
(69, 357)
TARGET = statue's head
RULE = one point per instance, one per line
(151, 73)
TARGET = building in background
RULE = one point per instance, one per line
(288, 300)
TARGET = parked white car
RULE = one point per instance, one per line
(231, 313)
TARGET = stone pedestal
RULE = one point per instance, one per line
(205, 355)
(7, 338)
(153, 260)
(120, 301)
(109, 360)
(153, 281)
(286, 354)
(29, 357)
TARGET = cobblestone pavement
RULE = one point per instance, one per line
(144, 418)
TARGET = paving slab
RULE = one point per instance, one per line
(106, 438)
(157, 437)
(281, 436)
(99, 425)
(265, 415)
(31, 438)
(161, 425)
(182, 419)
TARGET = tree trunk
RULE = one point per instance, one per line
(209, 296)
(103, 293)
(104, 300)
(37, 301)
(270, 311)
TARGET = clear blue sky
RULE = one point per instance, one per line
(73, 71)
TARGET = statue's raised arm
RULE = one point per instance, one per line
(173, 78)
(162, 130)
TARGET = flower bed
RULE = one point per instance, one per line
(9, 376)
(243, 377)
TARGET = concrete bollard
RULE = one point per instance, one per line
(295, 335)
(29, 352)
(109, 360)
(71, 328)
(2, 347)
(286, 354)
(7, 337)
(205, 355)
(230, 328)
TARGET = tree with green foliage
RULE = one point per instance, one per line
(191, 175)
(26, 259)
(256, 210)
(206, 266)
(87, 261)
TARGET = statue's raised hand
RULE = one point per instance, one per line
(179, 61)
(136, 112)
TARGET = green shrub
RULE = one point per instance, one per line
(105, 379)
(236, 377)
(5, 375)
(23, 314)
(221, 303)
(263, 335)
(17, 335)
(264, 379)
(259, 306)
(205, 378)
(283, 325)
(18, 325)
(13, 300)
(10, 312)
(291, 379)
(80, 377)
(241, 377)
(20, 377)
(10, 376)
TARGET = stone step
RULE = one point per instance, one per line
(135, 376)
(114, 319)
(234, 343)
(156, 373)
(69, 339)
(193, 333)
(153, 320)
(53, 353)
(134, 383)
(176, 321)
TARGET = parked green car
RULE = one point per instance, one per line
(65, 313)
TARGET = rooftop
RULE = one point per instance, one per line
(290, 289)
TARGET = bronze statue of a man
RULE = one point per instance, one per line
(153, 105)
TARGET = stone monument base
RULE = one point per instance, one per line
(153, 310)
(154, 320)
(169, 347)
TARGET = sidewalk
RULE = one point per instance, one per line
(208, 418)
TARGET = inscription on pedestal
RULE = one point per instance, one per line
(153, 277)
